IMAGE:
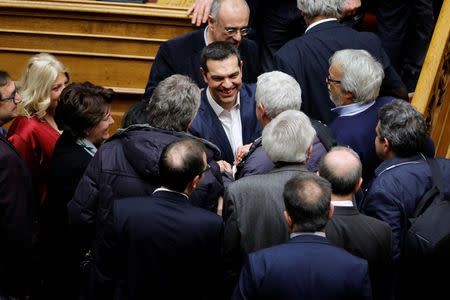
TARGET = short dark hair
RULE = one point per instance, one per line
(343, 180)
(218, 51)
(81, 106)
(136, 114)
(404, 127)
(4, 79)
(180, 162)
(307, 199)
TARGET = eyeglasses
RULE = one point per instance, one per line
(206, 169)
(329, 79)
(12, 97)
(232, 31)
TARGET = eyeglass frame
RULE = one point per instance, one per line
(232, 31)
(329, 79)
(10, 97)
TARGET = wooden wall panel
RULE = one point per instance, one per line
(432, 97)
(108, 44)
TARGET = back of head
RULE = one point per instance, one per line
(4, 80)
(174, 103)
(362, 74)
(218, 51)
(35, 85)
(82, 106)
(180, 162)
(278, 92)
(404, 127)
(321, 8)
(342, 168)
(288, 137)
(307, 200)
(136, 114)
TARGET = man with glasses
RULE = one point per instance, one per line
(227, 22)
(8, 102)
(16, 196)
(163, 246)
(306, 58)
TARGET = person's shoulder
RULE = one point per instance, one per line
(184, 40)
(248, 45)
(247, 92)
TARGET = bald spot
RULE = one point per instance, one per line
(176, 155)
(310, 192)
(341, 162)
(230, 7)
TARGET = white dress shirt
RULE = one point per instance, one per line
(230, 120)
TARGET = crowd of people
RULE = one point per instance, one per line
(275, 168)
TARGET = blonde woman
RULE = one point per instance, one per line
(34, 133)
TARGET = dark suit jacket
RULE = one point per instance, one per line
(254, 216)
(368, 238)
(164, 248)
(17, 218)
(207, 125)
(306, 267)
(306, 58)
(181, 55)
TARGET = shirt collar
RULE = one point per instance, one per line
(319, 22)
(168, 190)
(204, 35)
(351, 109)
(345, 203)
(86, 145)
(319, 233)
(216, 107)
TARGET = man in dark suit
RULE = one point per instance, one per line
(227, 22)
(361, 235)
(164, 247)
(308, 266)
(253, 205)
(17, 253)
(306, 58)
(226, 116)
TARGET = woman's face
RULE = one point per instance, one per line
(58, 86)
(97, 134)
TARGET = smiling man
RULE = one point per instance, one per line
(227, 22)
(226, 116)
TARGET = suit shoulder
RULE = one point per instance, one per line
(248, 45)
(248, 92)
(181, 42)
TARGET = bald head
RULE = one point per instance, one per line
(228, 15)
(180, 162)
(342, 168)
(307, 201)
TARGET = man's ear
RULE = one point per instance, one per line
(330, 214)
(387, 146)
(211, 23)
(242, 64)
(348, 98)
(358, 186)
(192, 185)
(204, 75)
(288, 220)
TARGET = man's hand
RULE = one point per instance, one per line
(224, 166)
(351, 6)
(200, 11)
(241, 151)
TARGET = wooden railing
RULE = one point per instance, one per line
(432, 96)
(109, 44)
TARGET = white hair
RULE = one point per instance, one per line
(277, 92)
(288, 137)
(323, 8)
(362, 74)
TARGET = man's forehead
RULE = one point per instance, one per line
(7, 89)
(233, 14)
(227, 65)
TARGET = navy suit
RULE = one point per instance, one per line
(181, 55)
(306, 267)
(208, 126)
(307, 60)
(164, 248)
